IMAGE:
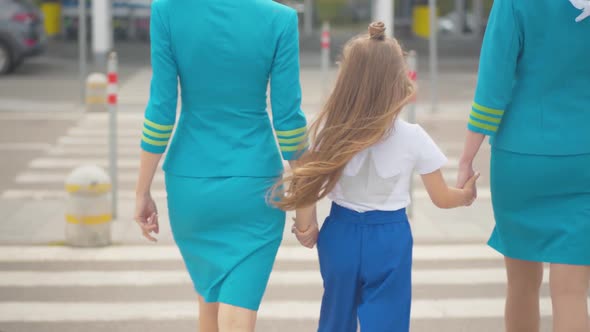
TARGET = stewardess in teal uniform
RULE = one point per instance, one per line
(223, 156)
(533, 100)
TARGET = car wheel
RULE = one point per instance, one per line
(6, 64)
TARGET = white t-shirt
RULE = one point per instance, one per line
(378, 178)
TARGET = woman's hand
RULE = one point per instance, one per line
(308, 237)
(465, 173)
(146, 216)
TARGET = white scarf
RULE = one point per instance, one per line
(584, 6)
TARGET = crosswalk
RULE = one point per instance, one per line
(121, 285)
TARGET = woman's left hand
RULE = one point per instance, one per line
(146, 216)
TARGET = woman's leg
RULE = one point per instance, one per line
(236, 319)
(208, 316)
(569, 289)
(522, 300)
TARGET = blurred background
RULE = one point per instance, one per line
(51, 27)
(71, 256)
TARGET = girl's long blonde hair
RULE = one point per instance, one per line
(371, 89)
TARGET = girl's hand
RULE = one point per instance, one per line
(308, 237)
(470, 189)
(146, 216)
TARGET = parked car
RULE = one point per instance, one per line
(21, 33)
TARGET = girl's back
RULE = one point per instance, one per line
(378, 178)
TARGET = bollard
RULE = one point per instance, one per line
(325, 64)
(411, 114)
(112, 88)
(88, 210)
(96, 93)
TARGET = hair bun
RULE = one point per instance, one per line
(377, 31)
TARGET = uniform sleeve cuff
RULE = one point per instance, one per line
(293, 143)
(484, 120)
(155, 136)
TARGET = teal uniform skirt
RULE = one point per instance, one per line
(542, 207)
(227, 234)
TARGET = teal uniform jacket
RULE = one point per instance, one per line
(533, 90)
(222, 55)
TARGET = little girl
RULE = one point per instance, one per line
(363, 156)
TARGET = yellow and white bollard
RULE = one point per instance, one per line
(88, 209)
(96, 92)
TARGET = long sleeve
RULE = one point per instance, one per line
(288, 118)
(497, 68)
(160, 113)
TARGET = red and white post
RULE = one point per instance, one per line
(413, 74)
(112, 98)
(411, 113)
(326, 45)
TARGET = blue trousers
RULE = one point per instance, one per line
(366, 264)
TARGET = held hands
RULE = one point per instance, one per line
(467, 179)
(146, 216)
(307, 237)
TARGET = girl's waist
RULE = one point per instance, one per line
(343, 214)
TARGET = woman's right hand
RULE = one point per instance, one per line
(146, 216)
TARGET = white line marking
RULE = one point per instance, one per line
(146, 253)
(433, 277)
(124, 116)
(36, 116)
(483, 193)
(25, 105)
(68, 140)
(4, 146)
(75, 162)
(40, 177)
(276, 310)
(95, 151)
(104, 132)
(59, 194)
(134, 278)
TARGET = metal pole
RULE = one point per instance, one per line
(112, 99)
(308, 17)
(411, 116)
(375, 7)
(325, 65)
(82, 48)
(461, 17)
(433, 47)
(102, 32)
(382, 10)
(413, 67)
(478, 13)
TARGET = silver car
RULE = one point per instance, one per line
(21, 33)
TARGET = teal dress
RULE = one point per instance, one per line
(224, 156)
(533, 99)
